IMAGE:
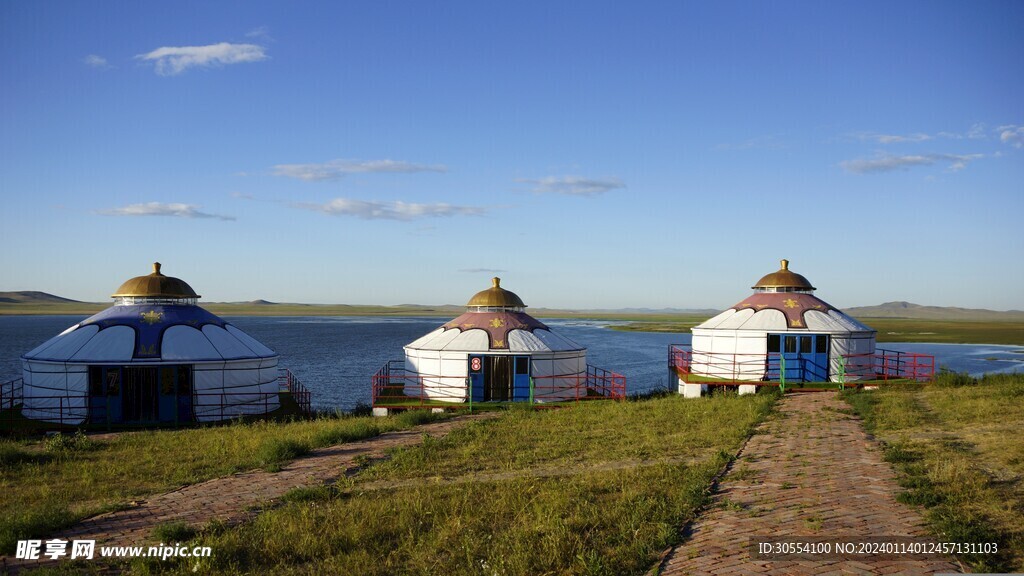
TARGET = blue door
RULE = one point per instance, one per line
(105, 394)
(521, 379)
(168, 411)
(798, 357)
(476, 378)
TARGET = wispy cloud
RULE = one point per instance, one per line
(573, 185)
(176, 210)
(96, 61)
(888, 163)
(398, 210)
(977, 131)
(173, 60)
(1012, 135)
(336, 169)
(242, 196)
(260, 33)
(482, 270)
(894, 138)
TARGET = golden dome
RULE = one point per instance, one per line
(496, 297)
(155, 285)
(783, 278)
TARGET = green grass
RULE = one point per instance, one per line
(438, 509)
(957, 447)
(53, 483)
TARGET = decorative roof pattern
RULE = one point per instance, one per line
(497, 325)
(792, 304)
(155, 285)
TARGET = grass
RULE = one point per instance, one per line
(957, 447)
(437, 509)
(53, 483)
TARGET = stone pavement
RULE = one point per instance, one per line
(234, 498)
(810, 472)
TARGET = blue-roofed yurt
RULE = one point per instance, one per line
(153, 357)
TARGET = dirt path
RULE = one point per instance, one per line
(812, 472)
(231, 499)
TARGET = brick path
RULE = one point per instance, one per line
(231, 499)
(811, 472)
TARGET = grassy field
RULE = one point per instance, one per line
(957, 446)
(600, 488)
(53, 483)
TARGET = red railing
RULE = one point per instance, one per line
(771, 369)
(394, 387)
(892, 365)
(289, 383)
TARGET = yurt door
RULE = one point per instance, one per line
(104, 394)
(175, 394)
(805, 356)
(521, 379)
(498, 378)
(476, 378)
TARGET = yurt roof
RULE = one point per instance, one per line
(151, 333)
(155, 285)
(784, 311)
(496, 297)
(784, 278)
(495, 322)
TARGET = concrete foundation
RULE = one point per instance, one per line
(380, 412)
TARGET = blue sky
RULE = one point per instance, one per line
(594, 155)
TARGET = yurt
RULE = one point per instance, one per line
(153, 357)
(781, 331)
(496, 352)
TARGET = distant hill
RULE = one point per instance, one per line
(919, 312)
(33, 297)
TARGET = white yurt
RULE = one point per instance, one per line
(782, 329)
(153, 357)
(496, 352)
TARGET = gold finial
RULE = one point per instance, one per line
(496, 282)
(785, 264)
(156, 268)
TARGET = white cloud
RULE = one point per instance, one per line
(398, 210)
(172, 60)
(260, 32)
(975, 132)
(573, 185)
(242, 196)
(895, 138)
(337, 168)
(161, 209)
(96, 61)
(1012, 135)
(482, 270)
(887, 163)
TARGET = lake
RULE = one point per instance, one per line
(335, 356)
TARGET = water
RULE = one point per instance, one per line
(335, 357)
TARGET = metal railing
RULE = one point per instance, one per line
(775, 369)
(71, 410)
(395, 387)
(891, 365)
(289, 383)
